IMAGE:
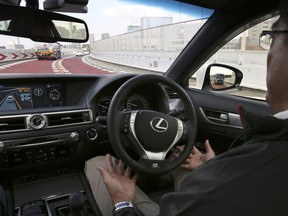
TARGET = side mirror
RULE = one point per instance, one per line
(221, 77)
(39, 25)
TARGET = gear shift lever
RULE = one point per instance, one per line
(76, 203)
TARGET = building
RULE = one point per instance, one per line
(105, 36)
(132, 28)
(151, 22)
(14, 46)
(253, 33)
(91, 38)
(249, 40)
(167, 37)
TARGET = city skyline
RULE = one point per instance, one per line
(103, 20)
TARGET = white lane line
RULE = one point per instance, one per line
(86, 61)
(14, 63)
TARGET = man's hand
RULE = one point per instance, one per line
(196, 158)
(119, 182)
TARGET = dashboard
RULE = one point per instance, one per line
(53, 119)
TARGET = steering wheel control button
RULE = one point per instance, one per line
(185, 132)
(36, 121)
(126, 121)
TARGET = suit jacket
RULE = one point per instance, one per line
(251, 179)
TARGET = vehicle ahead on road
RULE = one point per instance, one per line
(48, 51)
(155, 63)
(10, 99)
(79, 53)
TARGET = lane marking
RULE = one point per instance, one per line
(3, 67)
(85, 59)
(58, 67)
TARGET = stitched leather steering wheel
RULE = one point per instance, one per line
(150, 133)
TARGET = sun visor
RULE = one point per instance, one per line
(70, 6)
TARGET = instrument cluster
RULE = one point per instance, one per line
(133, 102)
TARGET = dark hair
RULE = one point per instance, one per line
(283, 11)
(283, 7)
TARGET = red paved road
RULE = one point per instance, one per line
(33, 66)
(77, 66)
(72, 65)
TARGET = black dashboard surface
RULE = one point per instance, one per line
(53, 119)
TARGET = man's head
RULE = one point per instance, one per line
(277, 63)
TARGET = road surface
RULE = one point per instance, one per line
(87, 65)
(65, 65)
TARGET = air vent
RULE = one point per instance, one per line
(68, 118)
(171, 93)
(12, 124)
(44, 120)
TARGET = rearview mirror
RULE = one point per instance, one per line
(39, 25)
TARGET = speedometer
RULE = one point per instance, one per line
(137, 102)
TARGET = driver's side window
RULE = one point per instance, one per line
(242, 52)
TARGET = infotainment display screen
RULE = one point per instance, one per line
(21, 97)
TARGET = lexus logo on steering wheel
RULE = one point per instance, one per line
(159, 124)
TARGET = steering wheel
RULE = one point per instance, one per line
(150, 133)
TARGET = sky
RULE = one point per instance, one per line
(113, 16)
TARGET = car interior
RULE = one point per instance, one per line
(65, 120)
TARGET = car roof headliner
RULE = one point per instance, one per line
(213, 4)
(227, 4)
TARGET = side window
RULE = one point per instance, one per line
(242, 52)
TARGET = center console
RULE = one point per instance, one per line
(75, 204)
(67, 194)
(41, 161)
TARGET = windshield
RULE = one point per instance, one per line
(124, 36)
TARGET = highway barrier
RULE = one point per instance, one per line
(13, 55)
(251, 63)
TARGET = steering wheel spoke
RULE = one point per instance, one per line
(154, 155)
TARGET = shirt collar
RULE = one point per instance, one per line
(282, 115)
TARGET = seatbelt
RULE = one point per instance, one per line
(3, 202)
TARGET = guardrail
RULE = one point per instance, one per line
(14, 55)
(251, 63)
